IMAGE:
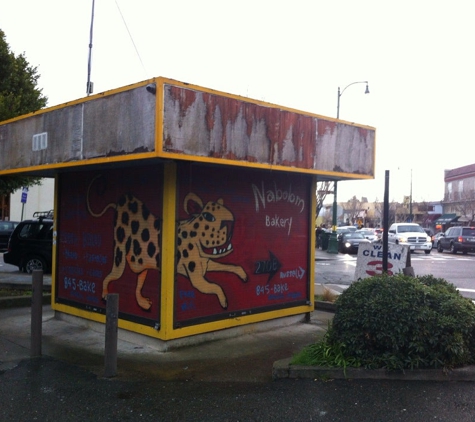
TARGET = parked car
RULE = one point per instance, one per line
(410, 234)
(348, 228)
(368, 234)
(350, 241)
(6, 229)
(436, 238)
(31, 244)
(457, 239)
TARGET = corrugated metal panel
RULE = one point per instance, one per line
(119, 124)
(192, 123)
(203, 124)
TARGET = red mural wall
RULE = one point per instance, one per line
(243, 242)
(109, 241)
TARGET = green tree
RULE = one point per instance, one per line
(19, 94)
(10, 184)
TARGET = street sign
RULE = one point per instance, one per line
(370, 259)
(24, 195)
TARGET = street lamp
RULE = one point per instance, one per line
(343, 90)
(333, 241)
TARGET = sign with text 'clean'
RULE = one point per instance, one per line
(370, 259)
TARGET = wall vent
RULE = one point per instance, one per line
(40, 141)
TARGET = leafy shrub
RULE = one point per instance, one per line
(398, 322)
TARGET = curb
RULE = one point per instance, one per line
(21, 301)
(282, 369)
(22, 286)
(325, 306)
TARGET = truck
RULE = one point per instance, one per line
(410, 234)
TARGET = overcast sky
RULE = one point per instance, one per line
(416, 54)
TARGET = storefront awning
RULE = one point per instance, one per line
(446, 218)
(429, 218)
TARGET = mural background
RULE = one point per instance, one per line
(85, 253)
(270, 239)
(271, 234)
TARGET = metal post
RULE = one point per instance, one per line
(410, 202)
(338, 104)
(89, 84)
(36, 313)
(112, 316)
(386, 222)
(333, 241)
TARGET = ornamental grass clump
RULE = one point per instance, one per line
(397, 323)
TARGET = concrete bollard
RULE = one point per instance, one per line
(112, 318)
(36, 313)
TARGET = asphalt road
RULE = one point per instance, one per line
(457, 269)
(50, 390)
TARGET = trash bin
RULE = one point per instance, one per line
(325, 240)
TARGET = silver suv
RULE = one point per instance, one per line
(410, 234)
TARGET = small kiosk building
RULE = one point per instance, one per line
(195, 206)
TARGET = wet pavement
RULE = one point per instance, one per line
(223, 380)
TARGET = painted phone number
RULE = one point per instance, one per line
(81, 285)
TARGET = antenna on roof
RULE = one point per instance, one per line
(90, 85)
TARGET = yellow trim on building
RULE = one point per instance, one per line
(168, 270)
(313, 205)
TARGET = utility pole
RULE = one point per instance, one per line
(90, 85)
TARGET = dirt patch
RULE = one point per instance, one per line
(14, 292)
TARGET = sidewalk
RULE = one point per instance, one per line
(248, 357)
(77, 343)
(253, 357)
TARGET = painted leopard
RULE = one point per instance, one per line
(201, 239)
(136, 242)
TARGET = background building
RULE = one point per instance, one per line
(459, 195)
(39, 198)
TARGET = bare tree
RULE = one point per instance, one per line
(466, 206)
(323, 189)
(379, 212)
(352, 208)
(402, 213)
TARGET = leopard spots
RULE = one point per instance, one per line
(118, 257)
(151, 249)
(203, 239)
(136, 242)
(120, 234)
(145, 235)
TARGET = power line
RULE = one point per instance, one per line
(131, 38)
